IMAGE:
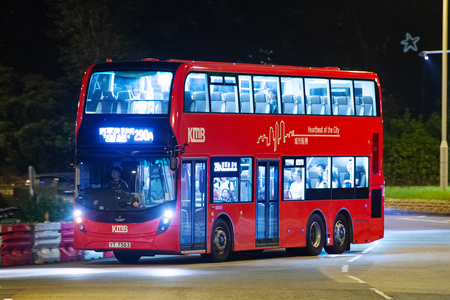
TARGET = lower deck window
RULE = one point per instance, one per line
(231, 179)
(322, 178)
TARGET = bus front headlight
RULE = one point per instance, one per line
(165, 221)
(79, 220)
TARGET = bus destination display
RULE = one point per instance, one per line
(125, 135)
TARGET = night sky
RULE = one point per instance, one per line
(357, 35)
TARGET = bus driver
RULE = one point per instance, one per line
(117, 184)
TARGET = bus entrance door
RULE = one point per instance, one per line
(193, 206)
(267, 209)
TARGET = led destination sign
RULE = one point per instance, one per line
(225, 166)
(123, 135)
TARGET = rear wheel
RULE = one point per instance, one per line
(315, 235)
(126, 257)
(340, 236)
(220, 242)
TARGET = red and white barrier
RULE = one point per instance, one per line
(17, 242)
(68, 252)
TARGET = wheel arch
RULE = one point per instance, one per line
(322, 216)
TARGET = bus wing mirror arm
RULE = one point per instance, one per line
(174, 156)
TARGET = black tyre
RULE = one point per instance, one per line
(220, 242)
(126, 257)
(341, 236)
(315, 235)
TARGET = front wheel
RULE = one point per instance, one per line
(220, 242)
(126, 257)
(340, 236)
(315, 235)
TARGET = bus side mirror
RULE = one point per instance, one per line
(174, 163)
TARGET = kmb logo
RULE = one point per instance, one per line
(196, 135)
(120, 228)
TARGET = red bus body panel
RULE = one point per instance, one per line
(260, 136)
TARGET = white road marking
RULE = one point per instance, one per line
(381, 293)
(422, 220)
(354, 258)
(355, 278)
(367, 250)
(345, 268)
(339, 255)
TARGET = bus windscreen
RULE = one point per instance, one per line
(129, 92)
(126, 185)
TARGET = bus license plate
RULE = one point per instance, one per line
(119, 245)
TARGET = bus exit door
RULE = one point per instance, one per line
(193, 206)
(267, 210)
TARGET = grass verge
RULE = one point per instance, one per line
(417, 192)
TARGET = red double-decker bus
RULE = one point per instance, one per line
(191, 157)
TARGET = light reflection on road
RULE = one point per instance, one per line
(57, 272)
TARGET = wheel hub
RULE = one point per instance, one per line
(220, 240)
(339, 233)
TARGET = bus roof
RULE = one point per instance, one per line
(200, 62)
(267, 69)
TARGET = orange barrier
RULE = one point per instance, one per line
(17, 244)
(68, 252)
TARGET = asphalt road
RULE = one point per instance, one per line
(411, 262)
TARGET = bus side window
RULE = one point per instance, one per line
(245, 94)
(195, 96)
(225, 190)
(292, 95)
(245, 180)
(361, 178)
(318, 173)
(267, 89)
(365, 98)
(342, 97)
(317, 93)
(343, 175)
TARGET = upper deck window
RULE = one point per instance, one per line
(292, 98)
(365, 98)
(317, 96)
(266, 94)
(257, 94)
(223, 93)
(196, 98)
(342, 97)
(129, 92)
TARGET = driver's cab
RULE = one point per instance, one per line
(146, 183)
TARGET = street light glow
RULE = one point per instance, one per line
(425, 54)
